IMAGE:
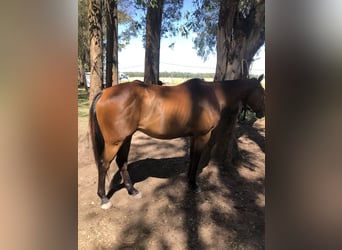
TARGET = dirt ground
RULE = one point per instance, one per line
(229, 213)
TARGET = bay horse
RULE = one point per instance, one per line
(192, 109)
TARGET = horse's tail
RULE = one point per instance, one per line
(95, 131)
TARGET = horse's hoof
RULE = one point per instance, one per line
(195, 189)
(137, 195)
(106, 205)
(133, 192)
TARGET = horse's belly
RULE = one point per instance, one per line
(165, 129)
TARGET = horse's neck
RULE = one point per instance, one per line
(234, 92)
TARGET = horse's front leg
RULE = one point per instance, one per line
(197, 144)
(127, 180)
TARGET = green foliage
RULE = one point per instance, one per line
(83, 33)
(124, 14)
(171, 16)
(204, 21)
(171, 25)
(133, 29)
(124, 17)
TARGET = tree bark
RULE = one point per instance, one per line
(112, 73)
(81, 72)
(83, 39)
(152, 51)
(95, 30)
(238, 39)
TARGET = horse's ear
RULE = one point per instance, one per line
(260, 78)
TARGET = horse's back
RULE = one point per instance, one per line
(187, 109)
(162, 112)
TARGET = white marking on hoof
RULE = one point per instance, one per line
(138, 196)
(106, 205)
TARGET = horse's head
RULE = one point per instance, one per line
(255, 99)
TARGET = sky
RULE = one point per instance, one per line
(182, 57)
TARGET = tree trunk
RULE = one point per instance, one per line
(224, 144)
(95, 30)
(112, 72)
(152, 51)
(82, 78)
(238, 39)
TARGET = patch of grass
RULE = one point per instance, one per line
(83, 95)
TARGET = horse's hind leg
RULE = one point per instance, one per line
(121, 160)
(109, 153)
(103, 168)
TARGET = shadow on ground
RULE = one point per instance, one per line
(227, 214)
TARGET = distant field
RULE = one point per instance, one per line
(165, 80)
(168, 81)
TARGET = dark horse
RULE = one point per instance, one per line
(192, 108)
